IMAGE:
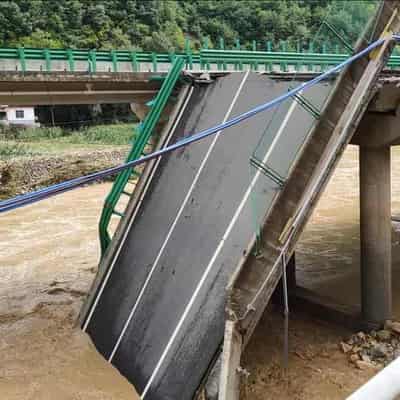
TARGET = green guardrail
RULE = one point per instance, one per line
(299, 59)
(146, 129)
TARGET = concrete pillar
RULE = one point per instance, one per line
(375, 235)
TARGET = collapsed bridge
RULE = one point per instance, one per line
(157, 307)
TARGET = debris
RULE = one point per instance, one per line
(354, 358)
(375, 349)
(383, 335)
(345, 347)
(379, 350)
(394, 327)
(363, 365)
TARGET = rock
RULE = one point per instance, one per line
(384, 335)
(364, 365)
(354, 358)
(395, 327)
(380, 350)
(355, 349)
(366, 358)
(360, 335)
(345, 347)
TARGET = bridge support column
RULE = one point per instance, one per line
(375, 235)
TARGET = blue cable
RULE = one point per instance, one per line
(38, 195)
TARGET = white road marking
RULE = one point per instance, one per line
(216, 253)
(187, 197)
(127, 230)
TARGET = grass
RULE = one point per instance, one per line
(13, 149)
(36, 141)
(117, 134)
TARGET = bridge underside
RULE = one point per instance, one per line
(38, 88)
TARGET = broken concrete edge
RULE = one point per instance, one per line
(230, 367)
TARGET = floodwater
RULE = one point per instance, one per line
(328, 255)
(48, 258)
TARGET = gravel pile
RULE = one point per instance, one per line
(375, 349)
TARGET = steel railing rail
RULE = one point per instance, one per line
(146, 129)
(219, 58)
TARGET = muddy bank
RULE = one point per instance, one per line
(317, 367)
(24, 174)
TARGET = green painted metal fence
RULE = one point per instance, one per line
(146, 129)
(205, 59)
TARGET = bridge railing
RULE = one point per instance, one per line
(92, 61)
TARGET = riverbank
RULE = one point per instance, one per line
(33, 158)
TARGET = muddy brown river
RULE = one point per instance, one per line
(48, 257)
(328, 254)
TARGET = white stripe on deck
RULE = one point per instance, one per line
(178, 215)
(217, 251)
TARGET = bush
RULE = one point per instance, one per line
(116, 134)
(14, 149)
(120, 134)
(40, 133)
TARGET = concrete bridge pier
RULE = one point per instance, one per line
(375, 235)
(377, 132)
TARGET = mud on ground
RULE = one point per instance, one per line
(317, 368)
(23, 174)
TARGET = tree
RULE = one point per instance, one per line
(162, 25)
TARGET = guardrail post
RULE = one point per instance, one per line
(311, 50)
(237, 47)
(254, 48)
(284, 50)
(154, 61)
(135, 65)
(71, 61)
(188, 52)
(114, 60)
(206, 46)
(268, 49)
(299, 50)
(323, 51)
(21, 55)
(237, 44)
(47, 58)
(221, 47)
(92, 61)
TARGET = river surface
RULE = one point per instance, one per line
(328, 255)
(48, 259)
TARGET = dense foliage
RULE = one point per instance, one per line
(163, 25)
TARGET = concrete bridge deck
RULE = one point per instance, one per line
(187, 237)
